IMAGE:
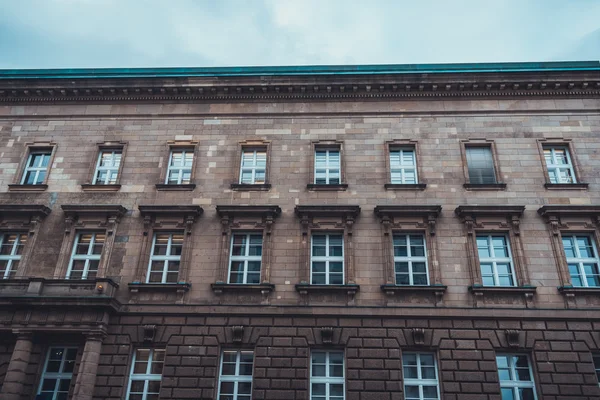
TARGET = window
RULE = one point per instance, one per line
(420, 376)
(235, 379)
(327, 259)
(480, 164)
(58, 372)
(495, 260)
(253, 166)
(179, 171)
(410, 260)
(245, 259)
(403, 166)
(327, 375)
(107, 167)
(597, 367)
(11, 249)
(582, 260)
(516, 377)
(165, 258)
(36, 167)
(559, 164)
(327, 167)
(85, 258)
(146, 372)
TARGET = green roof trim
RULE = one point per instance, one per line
(399, 69)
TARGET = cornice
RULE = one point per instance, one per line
(569, 210)
(499, 210)
(37, 210)
(175, 210)
(248, 210)
(108, 209)
(328, 211)
(407, 210)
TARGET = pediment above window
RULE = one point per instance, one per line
(86, 216)
(19, 215)
(408, 217)
(169, 217)
(490, 217)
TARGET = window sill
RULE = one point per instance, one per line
(480, 290)
(246, 187)
(485, 186)
(566, 186)
(438, 290)
(180, 287)
(27, 188)
(575, 290)
(410, 186)
(327, 188)
(88, 187)
(305, 288)
(222, 287)
(178, 188)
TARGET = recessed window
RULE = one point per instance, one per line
(180, 167)
(235, 378)
(36, 168)
(597, 367)
(480, 163)
(410, 260)
(420, 376)
(146, 373)
(495, 260)
(327, 375)
(516, 377)
(582, 259)
(85, 258)
(245, 259)
(327, 259)
(403, 166)
(11, 249)
(253, 167)
(107, 167)
(327, 167)
(58, 373)
(559, 164)
(165, 258)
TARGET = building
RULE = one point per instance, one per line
(358, 233)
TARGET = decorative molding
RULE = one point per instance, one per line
(238, 334)
(418, 335)
(327, 335)
(343, 211)
(549, 211)
(149, 333)
(512, 338)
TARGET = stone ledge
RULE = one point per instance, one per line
(88, 187)
(245, 187)
(410, 186)
(485, 186)
(389, 289)
(175, 188)
(526, 290)
(27, 188)
(566, 186)
(179, 287)
(305, 288)
(575, 290)
(327, 188)
(222, 287)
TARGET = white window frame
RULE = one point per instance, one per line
(253, 167)
(553, 166)
(56, 375)
(581, 260)
(596, 361)
(402, 167)
(420, 381)
(12, 257)
(147, 377)
(36, 169)
(165, 259)
(328, 166)
(237, 378)
(514, 384)
(327, 258)
(179, 168)
(109, 169)
(245, 258)
(410, 258)
(495, 260)
(85, 257)
(328, 380)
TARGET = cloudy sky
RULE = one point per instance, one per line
(190, 33)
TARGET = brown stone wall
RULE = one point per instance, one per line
(7, 344)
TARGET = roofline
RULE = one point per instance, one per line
(306, 70)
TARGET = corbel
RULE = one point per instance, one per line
(149, 333)
(189, 224)
(512, 338)
(469, 224)
(327, 335)
(69, 222)
(431, 220)
(349, 224)
(386, 222)
(268, 223)
(515, 223)
(147, 224)
(304, 222)
(225, 222)
(554, 225)
(418, 335)
(238, 334)
(111, 226)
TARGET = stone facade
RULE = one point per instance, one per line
(284, 318)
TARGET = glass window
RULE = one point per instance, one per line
(11, 249)
(327, 375)
(165, 258)
(245, 258)
(559, 165)
(180, 167)
(253, 167)
(495, 260)
(107, 167)
(327, 259)
(516, 377)
(235, 378)
(146, 373)
(327, 167)
(403, 166)
(58, 373)
(420, 376)
(410, 259)
(36, 168)
(86, 254)
(597, 367)
(582, 259)
(480, 164)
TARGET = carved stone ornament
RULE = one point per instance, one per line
(186, 215)
(149, 333)
(389, 214)
(104, 216)
(327, 335)
(512, 337)
(418, 335)
(238, 334)
(264, 215)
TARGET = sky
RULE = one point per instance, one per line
(203, 33)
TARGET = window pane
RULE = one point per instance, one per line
(507, 394)
(480, 165)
